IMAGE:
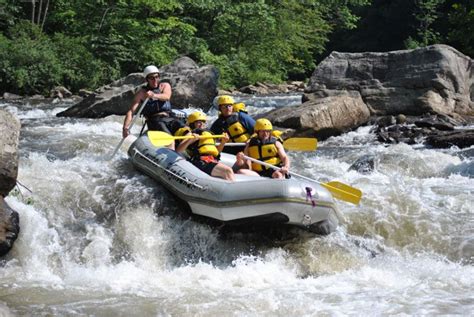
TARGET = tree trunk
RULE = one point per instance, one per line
(103, 18)
(44, 15)
(38, 15)
(33, 9)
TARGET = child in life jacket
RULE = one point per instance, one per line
(266, 148)
(203, 151)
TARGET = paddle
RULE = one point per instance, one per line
(129, 127)
(292, 144)
(339, 190)
(160, 138)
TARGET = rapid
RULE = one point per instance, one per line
(100, 239)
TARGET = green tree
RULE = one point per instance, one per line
(426, 12)
(461, 29)
(28, 63)
(79, 68)
(266, 40)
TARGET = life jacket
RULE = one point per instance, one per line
(277, 134)
(182, 131)
(236, 130)
(204, 147)
(153, 107)
(265, 151)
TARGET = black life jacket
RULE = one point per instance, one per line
(153, 107)
(265, 151)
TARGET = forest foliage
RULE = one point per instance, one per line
(87, 43)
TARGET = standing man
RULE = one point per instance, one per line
(238, 125)
(157, 110)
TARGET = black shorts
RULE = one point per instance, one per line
(233, 149)
(165, 124)
(266, 173)
(204, 166)
(269, 172)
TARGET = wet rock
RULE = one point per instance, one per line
(9, 227)
(434, 122)
(322, 117)
(401, 119)
(272, 89)
(37, 97)
(84, 93)
(10, 96)
(385, 121)
(435, 79)
(60, 92)
(465, 153)
(459, 138)
(415, 129)
(364, 164)
(193, 86)
(9, 138)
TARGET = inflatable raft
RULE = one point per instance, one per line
(248, 200)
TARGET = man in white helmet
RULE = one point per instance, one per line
(157, 110)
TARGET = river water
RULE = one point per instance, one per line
(100, 239)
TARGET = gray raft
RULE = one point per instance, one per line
(248, 200)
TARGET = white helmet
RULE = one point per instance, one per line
(152, 69)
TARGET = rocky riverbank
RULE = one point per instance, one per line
(9, 219)
(431, 87)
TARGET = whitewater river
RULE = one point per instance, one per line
(100, 239)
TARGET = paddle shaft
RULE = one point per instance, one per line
(217, 136)
(352, 197)
(130, 127)
(235, 144)
(291, 144)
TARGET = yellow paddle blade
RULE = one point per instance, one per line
(344, 192)
(160, 138)
(300, 144)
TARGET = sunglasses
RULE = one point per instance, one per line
(153, 77)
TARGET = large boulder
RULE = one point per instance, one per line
(9, 138)
(323, 116)
(435, 79)
(9, 227)
(347, 88)
(192, 86)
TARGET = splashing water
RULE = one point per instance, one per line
(98, 238)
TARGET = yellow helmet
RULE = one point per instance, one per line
(240, 107)
(263, 124)
(224, 100)
(196, 116)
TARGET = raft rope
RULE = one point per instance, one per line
(185, 180)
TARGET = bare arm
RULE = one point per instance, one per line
(164, 95)
(283, 157)
(185, 143)
(224, 140)
(246, 153)
(129, 115)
